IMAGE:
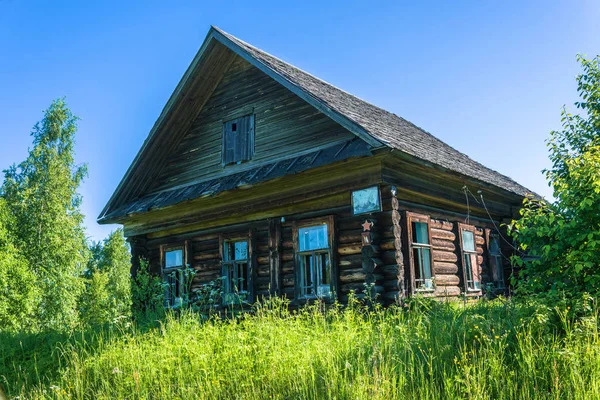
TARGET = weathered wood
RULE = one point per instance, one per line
(350, 260)
(446, 280)
(447, 291)
(275, 259)
(349, 249)
(441, 267)
(444, 245)
(441, 225)
(442, 234)
(444, 256)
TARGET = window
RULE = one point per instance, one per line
(236, 271)
(420, 249)
(174, 275)
(469, 258)
(366, 200)
(496, 265)
(238, 140)
(314, 275)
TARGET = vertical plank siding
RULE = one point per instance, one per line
(284, 125)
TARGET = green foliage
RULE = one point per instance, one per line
(563, 237)
(147, 293)
(108, 283)
(491, 350)
(41, 194)
(18, 291)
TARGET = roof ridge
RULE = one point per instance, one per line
(230, 36)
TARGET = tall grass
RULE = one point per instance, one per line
(491, 350)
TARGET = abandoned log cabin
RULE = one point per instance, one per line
(274, 182)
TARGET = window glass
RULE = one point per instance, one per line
(236, 250)
(420, 233)
(468, 240)
(174, 258)
(494, 247)
(313, 238)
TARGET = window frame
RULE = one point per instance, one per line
(250, 265)
(250, 139)
(497, 275)
(179, 283)
(411, 217)
(463, 252)
(331, 254)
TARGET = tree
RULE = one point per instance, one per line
(564, 236)
(108, 280)
(18, 290)
(41, 194)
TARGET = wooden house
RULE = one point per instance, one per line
(283, 184)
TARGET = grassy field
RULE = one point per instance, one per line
(491, 350)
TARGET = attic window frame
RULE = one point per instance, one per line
(236, 123)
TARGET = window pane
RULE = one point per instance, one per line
(420, 233)
(241, 250)
(468, 241)
(313, 237)
(174, 258)
(494, 245)
(366, 200)
(468, 267)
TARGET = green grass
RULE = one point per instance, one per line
(490, 350)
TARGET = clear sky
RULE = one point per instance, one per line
(489, 78)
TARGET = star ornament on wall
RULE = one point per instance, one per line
(367, 225)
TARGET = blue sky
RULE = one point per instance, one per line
(489, 78)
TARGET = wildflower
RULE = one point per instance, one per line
(497, 337)
(116, 370)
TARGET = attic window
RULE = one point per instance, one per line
(238, 140)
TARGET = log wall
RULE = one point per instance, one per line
(275, 263)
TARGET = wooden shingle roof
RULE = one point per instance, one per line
(388, 128)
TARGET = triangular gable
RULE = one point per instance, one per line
(377, 127)
(212, 60)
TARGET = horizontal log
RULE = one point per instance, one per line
(350, 260)
(262, 260)
(390, 284)
(287, 256)
(347, 237)
(287, 267)
(447, 291)
(356, 275)
(388, 257)
(440, 244)
(446, 280)
(445, 225)
(207, 256)
(442, 234)
(263, 272)
(263, 249)
(349, 249)
(288, 280)
(479, 240)
(387, 245)
(440, 267)
(444, 256)
(389, 269)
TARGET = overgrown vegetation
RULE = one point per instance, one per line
(499, 350)
(564, 236)
(50, 278)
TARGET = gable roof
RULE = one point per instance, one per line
(374, 125)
